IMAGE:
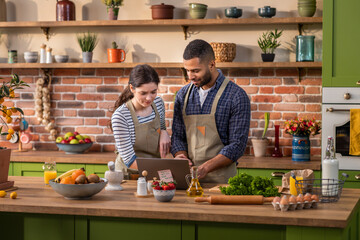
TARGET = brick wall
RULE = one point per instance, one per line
(81, 99)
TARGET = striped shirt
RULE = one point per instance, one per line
(124, 130)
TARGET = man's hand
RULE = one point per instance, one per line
(183, 156)
(164, 143)
(202, 171)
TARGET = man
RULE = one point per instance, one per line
(211, 117)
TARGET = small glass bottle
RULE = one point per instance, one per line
(12, 56)
(194, 190)
(43, 53)
(48, 55)
(330, 170)
(305, 48)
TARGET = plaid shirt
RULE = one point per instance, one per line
(232, 117)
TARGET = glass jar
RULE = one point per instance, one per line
(12, 56)
(304, 48)
(194, 190)
(49, 171)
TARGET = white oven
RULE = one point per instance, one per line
(336, 106)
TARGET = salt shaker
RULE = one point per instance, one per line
(48, 55)
(114, 178)
(141, 186)
(43, 53)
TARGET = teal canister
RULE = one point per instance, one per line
(305, 48)
(12, 56)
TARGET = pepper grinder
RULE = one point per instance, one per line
(114, 178)
(48, 55)
(43, 53)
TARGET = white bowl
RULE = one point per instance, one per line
(30, 58)
(30, 53)
(61, 58)
(78, 191)
(164, 195)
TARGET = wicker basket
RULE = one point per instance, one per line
(224, 52)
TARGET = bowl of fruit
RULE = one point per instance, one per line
(74, 143)
(74, 184)
(164, 191)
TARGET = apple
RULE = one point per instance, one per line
(63, 141)
(86, 136)
(68, 134)
(87, 140)
(67, 141)
(81, 141)
(71, 138)
(79, 137)
(76, 133)
(74, 141)
(59, 139)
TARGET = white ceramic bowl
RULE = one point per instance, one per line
(31, 58)
(78, 191)
(30, 53)
(61, 58)
(164, 195)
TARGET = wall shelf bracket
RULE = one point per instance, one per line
(185, 30)
(46, 31)
(300, 28)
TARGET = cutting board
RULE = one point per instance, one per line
(217, 190)
(6, 185)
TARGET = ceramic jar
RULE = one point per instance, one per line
(162, 11)
(65, 10)
(300, 148)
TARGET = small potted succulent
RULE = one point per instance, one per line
(87, 42)
(7, 92)
(113, 8)
(115, 54)
(268, 42)
(260, 144)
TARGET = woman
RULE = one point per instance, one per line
(138, 122)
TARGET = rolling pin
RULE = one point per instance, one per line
(244, 199)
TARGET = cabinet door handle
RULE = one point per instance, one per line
(357, 177)
(358, 82)
(277, 174)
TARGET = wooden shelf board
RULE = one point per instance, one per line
(164, 22)
(165, 65)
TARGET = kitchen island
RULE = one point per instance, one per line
(40, 213)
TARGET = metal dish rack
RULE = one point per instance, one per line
(328, 190)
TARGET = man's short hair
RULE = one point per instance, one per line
(199, 49)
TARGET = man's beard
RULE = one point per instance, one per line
(207, 79)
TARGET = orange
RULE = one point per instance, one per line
(77, 173)
(67, 180)
(11, 131)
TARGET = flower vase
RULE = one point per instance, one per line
(300, 148)
(277, 150)
(113, 13)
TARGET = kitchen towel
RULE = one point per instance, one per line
(354, 132)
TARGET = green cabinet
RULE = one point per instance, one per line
(275, 174)
(340, 38)
(35, 169)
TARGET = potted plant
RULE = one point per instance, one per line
(7, 91)
(260, 144)
(113, 8)
(87, 42)
(115, 54)
(268, 42)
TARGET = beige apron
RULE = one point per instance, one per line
(147, 136)
(204, 141)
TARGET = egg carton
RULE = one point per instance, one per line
(290, 206)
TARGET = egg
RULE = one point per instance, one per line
(300, 198)
(276, 199)
(292, 199)
(284, 201)
(315, 198)
(307, 198)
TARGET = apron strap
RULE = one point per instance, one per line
(186, 99)
(133, 113)
(218, 95)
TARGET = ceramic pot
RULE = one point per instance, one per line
(2, 11)
(65, 10)
(306, 11)
(233, 12)
(113, 13)
(300, 148)
(4, 164)
(268, 57)
(115, 55)
(267, 12)
(87, 57)
(197, 10)
(162, 11)
(259, 146)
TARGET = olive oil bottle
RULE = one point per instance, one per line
(194, 190)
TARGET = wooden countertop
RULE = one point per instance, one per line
(105, 157)
(35, 197)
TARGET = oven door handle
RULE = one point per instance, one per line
(336, 110)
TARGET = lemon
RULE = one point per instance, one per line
(2, 194)
(13, 195)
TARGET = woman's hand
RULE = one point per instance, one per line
(165, 143)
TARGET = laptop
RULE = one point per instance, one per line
(179, 169)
